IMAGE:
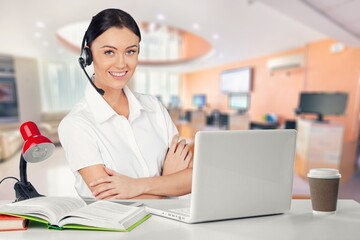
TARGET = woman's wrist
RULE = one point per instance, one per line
(144, 185)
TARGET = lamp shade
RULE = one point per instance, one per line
(36, 146)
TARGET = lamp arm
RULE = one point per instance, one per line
(23, 188)
(22, 167)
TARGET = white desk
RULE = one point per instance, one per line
(299, 223)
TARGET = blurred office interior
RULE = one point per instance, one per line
(215, 65)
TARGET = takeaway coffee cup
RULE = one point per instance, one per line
(324, 186)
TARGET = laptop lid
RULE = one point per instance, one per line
(242, 173)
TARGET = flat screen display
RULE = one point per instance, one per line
(239, 102)
(9, 111)
(323, 103)
(236, 80)
(199, 100)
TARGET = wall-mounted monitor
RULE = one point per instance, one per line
(239, 102)
(236, 80)
(322, 103)
(199, 100)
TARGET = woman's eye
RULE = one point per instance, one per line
(131, 52)
(109, 52)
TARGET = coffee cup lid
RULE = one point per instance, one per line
(324, 173)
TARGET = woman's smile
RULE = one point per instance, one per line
(118, 75)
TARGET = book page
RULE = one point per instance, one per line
(48, 208)
(103, 214)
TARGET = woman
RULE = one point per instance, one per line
(122, 145)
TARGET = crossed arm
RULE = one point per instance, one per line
(175, 179)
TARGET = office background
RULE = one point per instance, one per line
(41, 79)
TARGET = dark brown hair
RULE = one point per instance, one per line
(109, 18)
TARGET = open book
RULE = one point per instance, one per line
(73, 213)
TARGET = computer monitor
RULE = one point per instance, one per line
(239, 102)
(9, 110)
(199, 100)
(174, 101)
(236, 80)
(322, 103)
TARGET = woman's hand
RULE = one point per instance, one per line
(116, 186)
(177, 158)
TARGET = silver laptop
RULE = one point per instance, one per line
(236, 174)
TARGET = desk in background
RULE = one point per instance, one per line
(263, 125)
(318, 145)
(299, 223)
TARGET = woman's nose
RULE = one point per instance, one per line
(121, 61)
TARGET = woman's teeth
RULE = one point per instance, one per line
(118, 74)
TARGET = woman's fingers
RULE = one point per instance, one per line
(106, 194)
(180, 147)
(177, 158)
(100, 181)
(184, 151)
(188, 159)
(102, 189)
(174, 143)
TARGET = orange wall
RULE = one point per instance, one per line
(278, 92)
(336, 72)
(194, 46)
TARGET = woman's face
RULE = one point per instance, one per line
(115, 57)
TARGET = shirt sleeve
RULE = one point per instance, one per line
(79, 143)
(171, 128)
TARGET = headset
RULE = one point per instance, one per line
(85, 59)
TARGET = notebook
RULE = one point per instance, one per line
(236, 174)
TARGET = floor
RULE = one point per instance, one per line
(52, 177)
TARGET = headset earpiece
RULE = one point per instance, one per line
(88, 56)
(82, 62)
(85, 58)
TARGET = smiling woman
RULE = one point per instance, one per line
(121, 144)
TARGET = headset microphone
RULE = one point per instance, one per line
(85, 59)
(99, 90)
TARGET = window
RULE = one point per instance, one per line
(160, 84)
(62, 86)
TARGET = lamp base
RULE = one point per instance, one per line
(25, 190)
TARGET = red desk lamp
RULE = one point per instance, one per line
(36, 149)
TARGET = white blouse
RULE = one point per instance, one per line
(93, 133)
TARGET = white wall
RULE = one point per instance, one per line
(28, 89)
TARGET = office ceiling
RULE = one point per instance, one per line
(338, 19)
(344, 13)
(237, 29)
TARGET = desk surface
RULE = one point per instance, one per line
(299, 223)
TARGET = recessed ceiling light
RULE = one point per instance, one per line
(215, 36)
(40, 24)
(160, 17)
(195, 26)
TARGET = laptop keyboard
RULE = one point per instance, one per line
(184, 211)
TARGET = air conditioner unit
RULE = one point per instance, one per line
(287, 62)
